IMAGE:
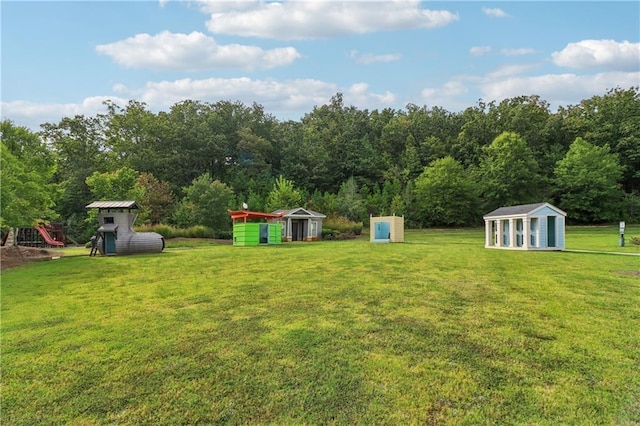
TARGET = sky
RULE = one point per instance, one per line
(60, 59)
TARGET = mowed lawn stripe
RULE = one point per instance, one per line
(435, 330)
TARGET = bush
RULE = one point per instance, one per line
(332, 234)
(328, 234)
(342, 225)
(224, 235)
(635, 241)
(168, 232)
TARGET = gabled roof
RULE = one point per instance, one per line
(113, 205)
(521, 210)
(299, 212)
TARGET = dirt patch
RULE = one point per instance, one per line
(634, 273)
(12, 256)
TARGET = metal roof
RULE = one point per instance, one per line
(108, 227)
(521, 210)
(248, 215)
(113, 205)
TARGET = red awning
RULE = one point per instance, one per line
(245, 215)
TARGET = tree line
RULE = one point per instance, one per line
(188, 165)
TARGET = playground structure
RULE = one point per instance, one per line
(43, 235)
(116, 235)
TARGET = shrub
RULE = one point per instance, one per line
(635, 241)
(224, 235)
(328, 234)
(342, 225)
(198, 231)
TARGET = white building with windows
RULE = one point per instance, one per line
(539, 226)
(300, 224)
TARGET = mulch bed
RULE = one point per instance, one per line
(12, 256)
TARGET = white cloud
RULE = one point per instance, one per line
(289, 99)
(192, 52)
(451, 96)
(518, 51)
(370, 58)
(166, 93)
(32, 114)
(120, 88)
(449, 89)
(281, 98)
(211, 6)
(359, 94)
(297, 20)
(480, 50)
(610, 54)
(494, 12)
(558, 89)
(509, 70)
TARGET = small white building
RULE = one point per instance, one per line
(300, 224)
(539, 226)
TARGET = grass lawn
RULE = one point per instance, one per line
(438, 330)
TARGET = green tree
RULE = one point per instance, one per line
(26, 192)
(509, 172)
(206, 202)
(342, 143)
(410, 160)
(350, 202)
(326, 203)
(588, 183)
(132, 135)
(304, 159)
(445, 194)
(479, 130)
(80, 150)
(614, 120)
(157, 198)
(121, 184)
(190, 145)
(24, 196)
(284, 195)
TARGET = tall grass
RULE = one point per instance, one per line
(437, 330)
(167, 231)
(337, 227)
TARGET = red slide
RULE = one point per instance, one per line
(47, 238)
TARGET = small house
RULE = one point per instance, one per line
(300, 224)
(255, 228)
(386, 229)
(538, 226)
(116, 235)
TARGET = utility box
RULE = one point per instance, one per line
(386, 229)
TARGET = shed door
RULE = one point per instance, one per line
(264, 233)
(109, 243)
(506, 241)
(297, 231)
(534, 232)
(519, 233)
(382, 231)
(551, 231)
